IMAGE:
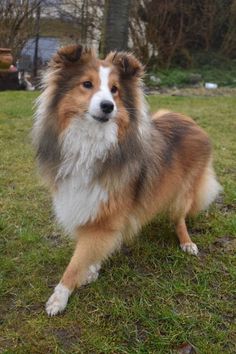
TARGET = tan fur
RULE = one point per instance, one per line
(160, 113)
(168, 194)
(76, 101)
(94, 245)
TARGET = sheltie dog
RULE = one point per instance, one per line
(110, 165)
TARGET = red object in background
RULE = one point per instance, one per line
(13, 68)
(6, 58)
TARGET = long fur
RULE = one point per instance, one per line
(109, 178)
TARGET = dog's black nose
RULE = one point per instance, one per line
(107, 106)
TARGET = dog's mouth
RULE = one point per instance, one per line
(102, 119)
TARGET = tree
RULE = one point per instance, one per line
(177, 32)
(116, 23)
(16, 22)
(83, 15)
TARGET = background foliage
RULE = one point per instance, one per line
(183, 31)
(162, 33)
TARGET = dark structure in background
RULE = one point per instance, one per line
(10, 81)
(37, 30)
(116, 24)
(46, 47)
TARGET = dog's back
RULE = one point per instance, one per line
(186, 182)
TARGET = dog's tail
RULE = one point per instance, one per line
(207, 190)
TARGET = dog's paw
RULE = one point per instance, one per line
(58, 300)
(92, 274)
(190, 248)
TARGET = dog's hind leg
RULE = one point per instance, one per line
(180, 210)
(204, 192)
(186, 243)
(94, 245)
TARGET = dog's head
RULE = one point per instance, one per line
(94, 89)
(81, 92)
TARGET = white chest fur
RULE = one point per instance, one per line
(85, 143)
(76, 202)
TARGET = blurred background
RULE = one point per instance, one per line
(181, 42)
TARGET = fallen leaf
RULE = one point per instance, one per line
(186, 348)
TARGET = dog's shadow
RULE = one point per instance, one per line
(155, 243)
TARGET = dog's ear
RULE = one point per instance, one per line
(128, 65)
(70, 55)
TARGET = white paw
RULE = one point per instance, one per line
(190, 248)
(92, 274)
(58, 300)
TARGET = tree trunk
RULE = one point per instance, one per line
(37, 30)
(116, 21)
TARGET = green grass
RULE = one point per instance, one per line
(223, 75)
(150, 298)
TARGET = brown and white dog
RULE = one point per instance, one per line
(112, 167)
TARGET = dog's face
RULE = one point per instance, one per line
(96, 90)
(94, 93)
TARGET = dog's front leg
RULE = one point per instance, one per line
(92, 248)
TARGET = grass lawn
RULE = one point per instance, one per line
(150, 298)
(218, 70)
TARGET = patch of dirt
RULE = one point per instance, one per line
(141, 332)
(6, 344)
(197, 231)
(68, 336)
(55, 239)
(193, 91)
(226, 243)
(230, 170)
(34, 309)
(225, 208)
(229, 317)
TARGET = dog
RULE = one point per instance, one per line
(112, 167)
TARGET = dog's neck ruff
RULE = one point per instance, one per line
(84, 144)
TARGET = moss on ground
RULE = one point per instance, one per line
(150, 298)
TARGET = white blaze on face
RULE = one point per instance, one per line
(104, 94)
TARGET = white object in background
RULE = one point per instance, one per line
(155, 79)
(210, 86)
(29, 86)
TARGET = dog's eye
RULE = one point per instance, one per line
(114, 89)
(87, 84)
